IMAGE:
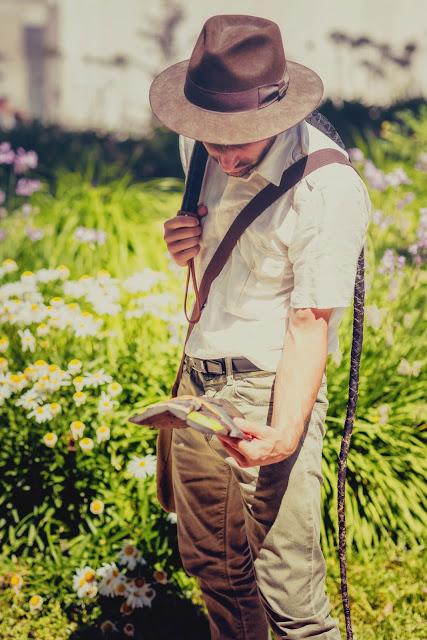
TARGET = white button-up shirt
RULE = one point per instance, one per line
(302, 251)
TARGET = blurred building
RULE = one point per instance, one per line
(89, 63)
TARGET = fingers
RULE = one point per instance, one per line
(241, 460)
(202, 209)
(182, 235)
(259, 431)
(182, 257)
(191, 234)
(180, 221)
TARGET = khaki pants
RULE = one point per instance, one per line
(251, 536)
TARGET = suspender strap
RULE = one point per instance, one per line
(263, 199)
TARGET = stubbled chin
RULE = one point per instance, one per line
(241, 175)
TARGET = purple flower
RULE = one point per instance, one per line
(7, 155)
(2, 196)
(375, 176)
(101, 237)
(355, 154)
(86, 235)
(405, 200)
(391, 262)
(34, 234)
(419, 249)
(25, 160)
(26, 187)
(3, 234)
(397, 177)
(26, 209)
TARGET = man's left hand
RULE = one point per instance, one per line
(267, 444)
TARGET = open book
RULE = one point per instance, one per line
(211, 416)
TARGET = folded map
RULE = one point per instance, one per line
(213, 416)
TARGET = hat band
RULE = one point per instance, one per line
(249, 100)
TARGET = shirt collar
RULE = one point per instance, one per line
(285, 150)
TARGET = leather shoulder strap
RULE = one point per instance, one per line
(263, 199)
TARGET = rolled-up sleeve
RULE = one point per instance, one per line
(330, 231)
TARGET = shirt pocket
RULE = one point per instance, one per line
(257, 285)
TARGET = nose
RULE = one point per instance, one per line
(229, 160)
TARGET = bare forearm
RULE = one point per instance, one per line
(299, 373)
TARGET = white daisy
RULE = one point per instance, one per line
(28, 341)
(160, 576)
(29, 400)
(84, 582)
(79, 383)
(17, 381)
(130, 556)
(107, 627)
(77, 428)
(41, 414)
(75, 365)
(86, 444)
(97, 378)
(142, 467)
(43, 329)
(63, 271)
(143, 280)
(102, 433)
(105, 403)
(35, 603)
(140, 595)
(96, 507)
(9, 265)
(16, 581)
(55, 408)
(79, 398)
(4, 344)
(50, 439)
(172, 517)
(114, 388)
(110, 576)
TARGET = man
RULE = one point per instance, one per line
(249, 510)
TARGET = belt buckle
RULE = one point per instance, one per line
(194, 364)
(214, 363)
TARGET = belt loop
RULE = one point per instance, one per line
(229, 369)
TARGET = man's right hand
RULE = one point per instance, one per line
(182, 236)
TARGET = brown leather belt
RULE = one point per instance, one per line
(218, 365)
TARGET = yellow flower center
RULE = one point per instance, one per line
(89, 576)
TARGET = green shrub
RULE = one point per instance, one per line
(49, 521)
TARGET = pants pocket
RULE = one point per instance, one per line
(255, 389)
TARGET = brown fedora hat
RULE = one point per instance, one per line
(237, 87)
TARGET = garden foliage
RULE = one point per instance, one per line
(91, 330)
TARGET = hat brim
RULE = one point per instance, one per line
(171, 107)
